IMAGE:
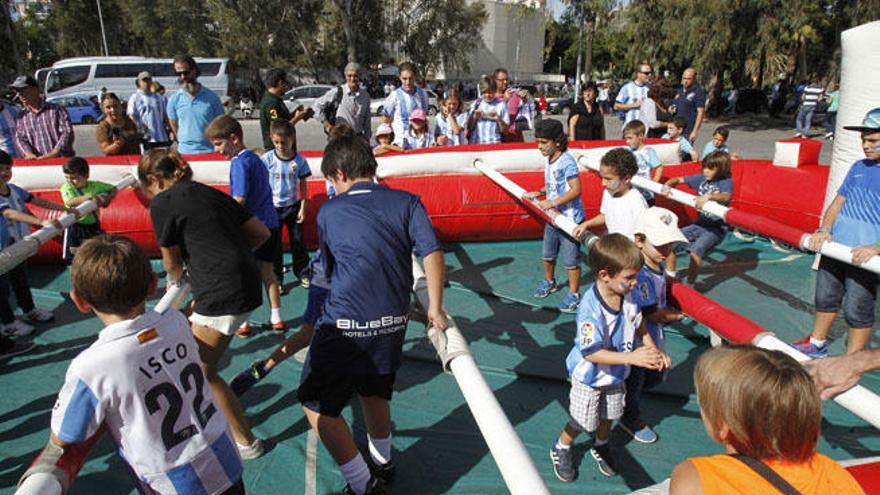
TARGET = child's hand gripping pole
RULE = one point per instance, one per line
(19, 252)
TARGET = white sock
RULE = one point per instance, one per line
(275, 316)
(356, 473)
(560, 445)
(816, 342)
(599, 443)
(670, 273)
(380, 449)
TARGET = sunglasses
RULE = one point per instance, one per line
(182, 73)
(647, 73)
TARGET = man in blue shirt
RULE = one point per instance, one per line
(192, 108)
(366, 235)
(690, 104)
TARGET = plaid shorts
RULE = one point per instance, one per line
(587, 405)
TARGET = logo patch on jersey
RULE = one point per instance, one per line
(588, 330)
(147, 335)
(643, 287)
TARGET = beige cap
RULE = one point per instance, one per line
(659, 226)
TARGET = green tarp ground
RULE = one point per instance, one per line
(520, 344)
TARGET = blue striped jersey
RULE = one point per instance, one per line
(399, 105)
(142, 379)
(411, 141)
(556, 177)
(628, 94)
(648, 160)
(710, 148)
(7, 129)
(442, 127)
(487, 130)
(858, 222)
(650, 295)
(11, 230)
(148, 112)
(285, 177)
(600, 327)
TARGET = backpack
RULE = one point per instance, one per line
(332, 107)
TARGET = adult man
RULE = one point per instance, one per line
(7, 128)
(631, 95)
(403, 100)
(272, 107)
(809, 98)
(836, 375)
(352, 104)
(513, 102)
(147, 110)
(192, 108)
(42, 130)
(690, 104)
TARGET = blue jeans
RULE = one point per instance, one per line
(843, 286)
(804, 119)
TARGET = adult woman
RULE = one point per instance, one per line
(116, 134)
(586, 121)
(654, 112)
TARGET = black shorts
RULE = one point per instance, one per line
(271, 249)
(79, 233)
(328, 393)
(236, 489)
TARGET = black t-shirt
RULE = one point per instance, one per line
(206, 225)
(590, 125)
(272, 108)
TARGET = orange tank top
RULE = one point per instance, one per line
(724, 475)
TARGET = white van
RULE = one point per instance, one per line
(85, 76)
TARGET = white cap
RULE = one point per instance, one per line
(659, 226)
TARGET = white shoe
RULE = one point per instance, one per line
(17, 328)
(39, 315)
(252, 451)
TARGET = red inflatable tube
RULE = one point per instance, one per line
(728, 323)
(765, 226)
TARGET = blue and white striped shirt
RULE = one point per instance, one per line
(285, 177)
(413, 142)
(11, 230)
(556, 177)
(443, 127)
(487, 130)
(148, 110)
(7, 129)
(650, 295)
(629, 93)
(399, 105)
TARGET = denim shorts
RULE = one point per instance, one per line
(701, 240)
(855, 289)
(571, 251)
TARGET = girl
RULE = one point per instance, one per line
(713, 184)
(116, 134)
(763, 408)
(385, 140)
(451, 124)
(416, 137)
(209, 234)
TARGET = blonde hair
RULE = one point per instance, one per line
(766, 399)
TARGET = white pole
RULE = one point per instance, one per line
(517, 468)
(103, 34)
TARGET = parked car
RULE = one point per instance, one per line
(81, 109)
(305, 95)
(377, 105)
(561, 105)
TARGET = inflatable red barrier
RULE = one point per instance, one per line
(731, 325)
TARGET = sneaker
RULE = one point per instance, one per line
(244, 331)
(39, 315)
(546, 288)
(563, 464)
(282, 289)
(384, 472)
(252, 451)
(10, 347)
(569, 303)
(305, 282)
(279, 327)
(810, 349)
(17, 328)
(247, 378)
(602, 455)
(374, 487)
(644, 434)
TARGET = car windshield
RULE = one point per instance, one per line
(66, 77)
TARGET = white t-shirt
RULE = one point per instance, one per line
(142, 379)
(622, 213)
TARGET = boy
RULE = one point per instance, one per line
(851, 219)
(15, 221)
(718, 142)
(656, 234)
(608, 322)
(647, 159)
(77, 190)
(489, 118)
(621, 204)
(141, 374)
(288, 171)
(562, 187)
(367, 233)
(249, 185)
(674, 131)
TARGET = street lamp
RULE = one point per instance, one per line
(103, 34)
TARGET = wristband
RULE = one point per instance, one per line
(823, 229)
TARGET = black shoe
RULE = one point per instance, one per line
(374, 487)
(247, 378)
(563, 464)
(384, 472)
(602, 455)
(10, 347)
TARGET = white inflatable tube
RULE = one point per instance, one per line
(517, 468)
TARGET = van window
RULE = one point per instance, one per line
(124, 71)
(67, 77)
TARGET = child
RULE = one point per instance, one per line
(656, 234)
(764, 410)
(367, 233)
(488, 118)
(621, 204)
(142, 372)
(212, 235)
(14, 226)
(674, 131)
(385, 140)
(417, 137)
(851, 219)
(77, 190)
(249, 185)
(718, 142)
(713, 184)
(647, 159)
(562, 187)
(288, 171)
(450, 124)
(608, 322)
